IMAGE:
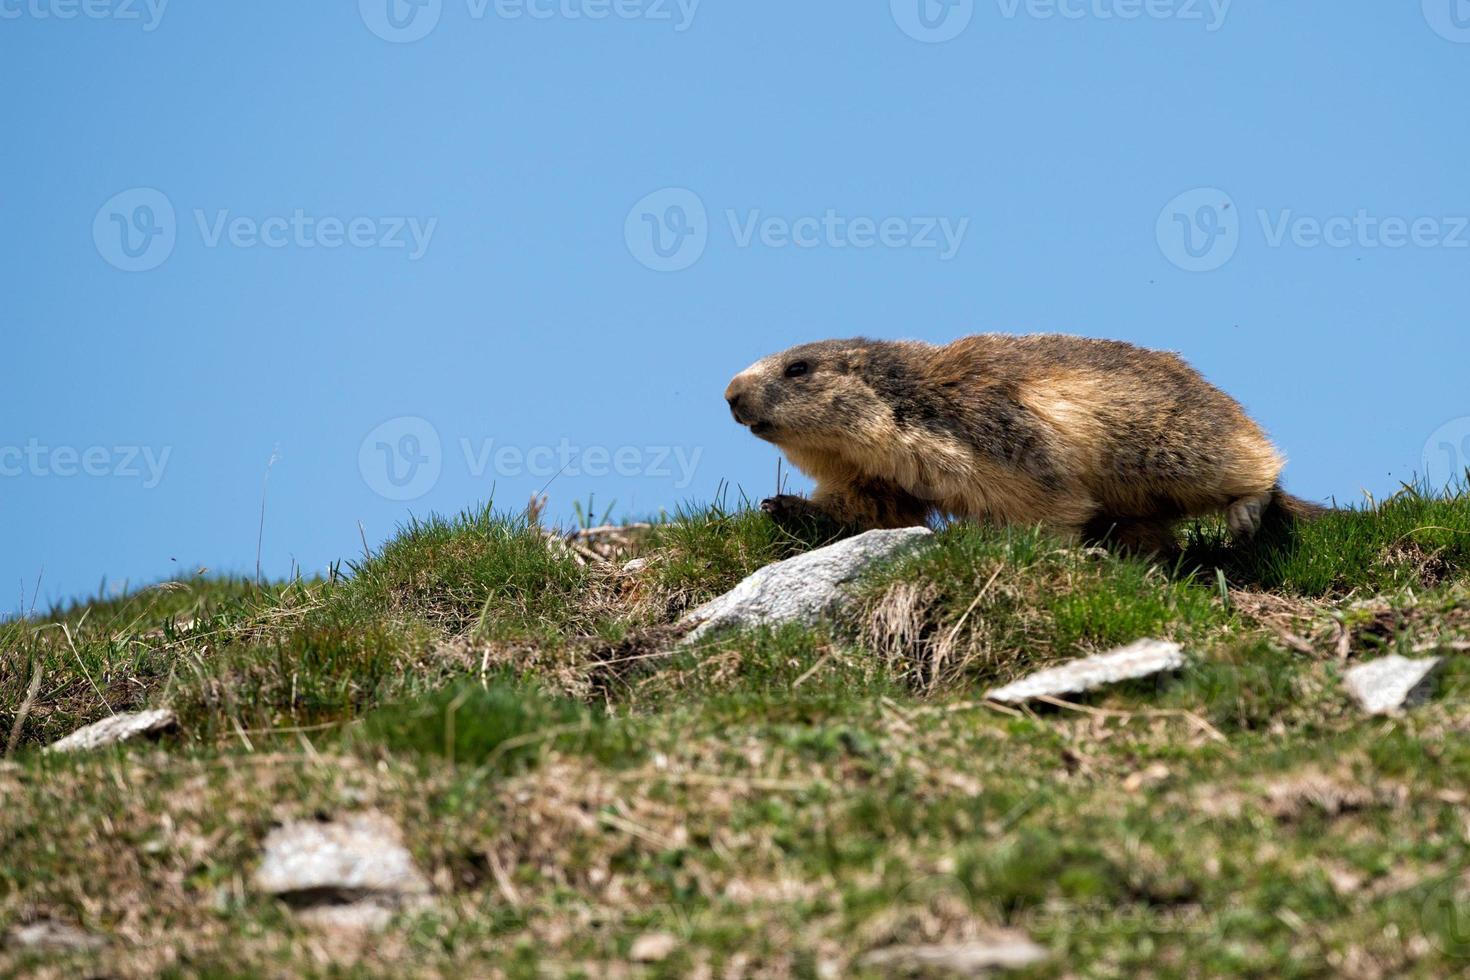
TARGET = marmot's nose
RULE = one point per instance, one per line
(735, 395)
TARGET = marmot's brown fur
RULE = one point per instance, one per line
(1096, 439)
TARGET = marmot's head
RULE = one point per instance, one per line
(813, 395)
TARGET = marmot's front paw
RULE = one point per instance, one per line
(803, 518)
(786, 505)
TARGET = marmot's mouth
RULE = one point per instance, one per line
(763, 430)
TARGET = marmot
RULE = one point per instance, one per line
(1096, 439)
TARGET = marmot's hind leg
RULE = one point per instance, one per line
(1245, 514)
(1285, 512)
(1153, 538)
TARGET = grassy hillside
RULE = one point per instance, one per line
(775, 804)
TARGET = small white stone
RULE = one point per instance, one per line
(1139, 659)
(1391, 683)
(118, 728)
(802, 589)
(55, 937)
(1002, 951)
(635, 566)
(653, 947)
(361, 854)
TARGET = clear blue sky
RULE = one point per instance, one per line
(487, 261)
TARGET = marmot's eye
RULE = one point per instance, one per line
(797, 368)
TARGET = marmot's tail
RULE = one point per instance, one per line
(1285, 511)
(1295, 507)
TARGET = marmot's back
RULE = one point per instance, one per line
(1141, 429)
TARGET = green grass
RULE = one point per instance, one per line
(778, 802)
(504, 724)
(705, 551)
(481, 570)
(979, 603)
(1415, 539)
(125, 652)
(324, 671)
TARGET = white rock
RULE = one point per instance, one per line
(1389, 684)
(1138, 659)
(55, 937)
(802, 589)
(635, 566)
(653, 947)
(118, 728)
(361, 855)
(1002, 951)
